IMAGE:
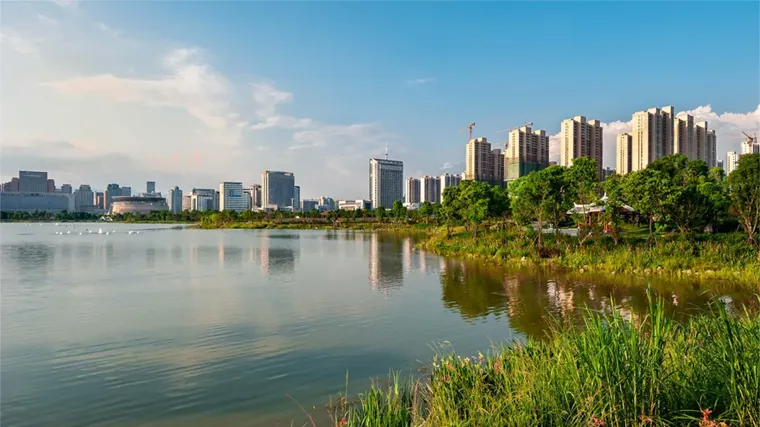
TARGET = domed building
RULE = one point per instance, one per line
(138, 204)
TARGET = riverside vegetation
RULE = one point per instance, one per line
(612, 371)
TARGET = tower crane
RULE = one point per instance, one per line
(751, 140)
(470, 126)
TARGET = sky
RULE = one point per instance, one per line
(194, 93)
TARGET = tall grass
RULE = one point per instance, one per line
(612, 371)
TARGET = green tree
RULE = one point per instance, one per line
(613, 205)
(380, 213)
(543, 196)
(399, 211)
(583, 188)
(744, 190)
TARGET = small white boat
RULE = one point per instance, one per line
(68, 232)
(80, 233)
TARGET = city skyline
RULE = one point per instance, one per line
(99, 92)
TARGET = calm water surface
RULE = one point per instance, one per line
(189, 327)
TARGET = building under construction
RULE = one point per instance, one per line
(483, 163)
(526, 151)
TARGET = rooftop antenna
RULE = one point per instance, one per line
(386, 151)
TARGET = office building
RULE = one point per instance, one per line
(326, 204)
(175, 200)
(386, 182)
(51, 186)
(732, 162)
(296, 202)
(652, 136)
(430, 189)
(581, 138)
(187, 202)
(353, 205)
(126, 191)
(112, 190)
(231, 197)
(84, 198)
(308, 205)
(150, 187)
(33, 182)
(528, 151)
(412, 190)
(11, 186)
(31, 202)
(748, 147)
(66, 189)
(100, 200)
(624, 153)
(255, 196)
(277, 189)
(203, 199)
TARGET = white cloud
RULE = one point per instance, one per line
(106, 29)
(18, 43)
(191, 85)
(421, 80)
(46, 19)
(71, 4)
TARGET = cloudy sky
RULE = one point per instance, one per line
(194, 93)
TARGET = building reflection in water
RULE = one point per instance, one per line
(534, 300)
(386, 264)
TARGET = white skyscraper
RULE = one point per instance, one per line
(430, 189)
(231, 197)
(449, 180)
(175, 200)
(732, 161)
(749, 148)
(386, 182)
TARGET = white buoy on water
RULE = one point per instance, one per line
(100, 231)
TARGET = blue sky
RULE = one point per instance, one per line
(193, 93)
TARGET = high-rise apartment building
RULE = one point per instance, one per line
(83, 198)
(430, 189)
(231, 197)
(749, 148)
(203, 199)
(497, 167)
(712, 149)
(732, 162)
(33, 182)
(386, 182)
(66, 189)
(150, 187)
(652, 136)
(528, 151)
(705, 142)
(581, 138)
(175, 200)
(720, 164)
(412, 190)
(484, 164)
(450, 180)
(624, 153)
(277, 189)
(187, 202)
(50, 185)
(683, 136)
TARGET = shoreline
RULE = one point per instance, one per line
(718, 259)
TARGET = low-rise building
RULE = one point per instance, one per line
(31, 202)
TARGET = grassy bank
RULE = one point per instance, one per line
(613, 371)
(708, 256)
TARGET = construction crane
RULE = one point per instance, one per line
(751, 140)
(470, 126)
(516, 127)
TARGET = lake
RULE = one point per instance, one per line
(184, 327)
